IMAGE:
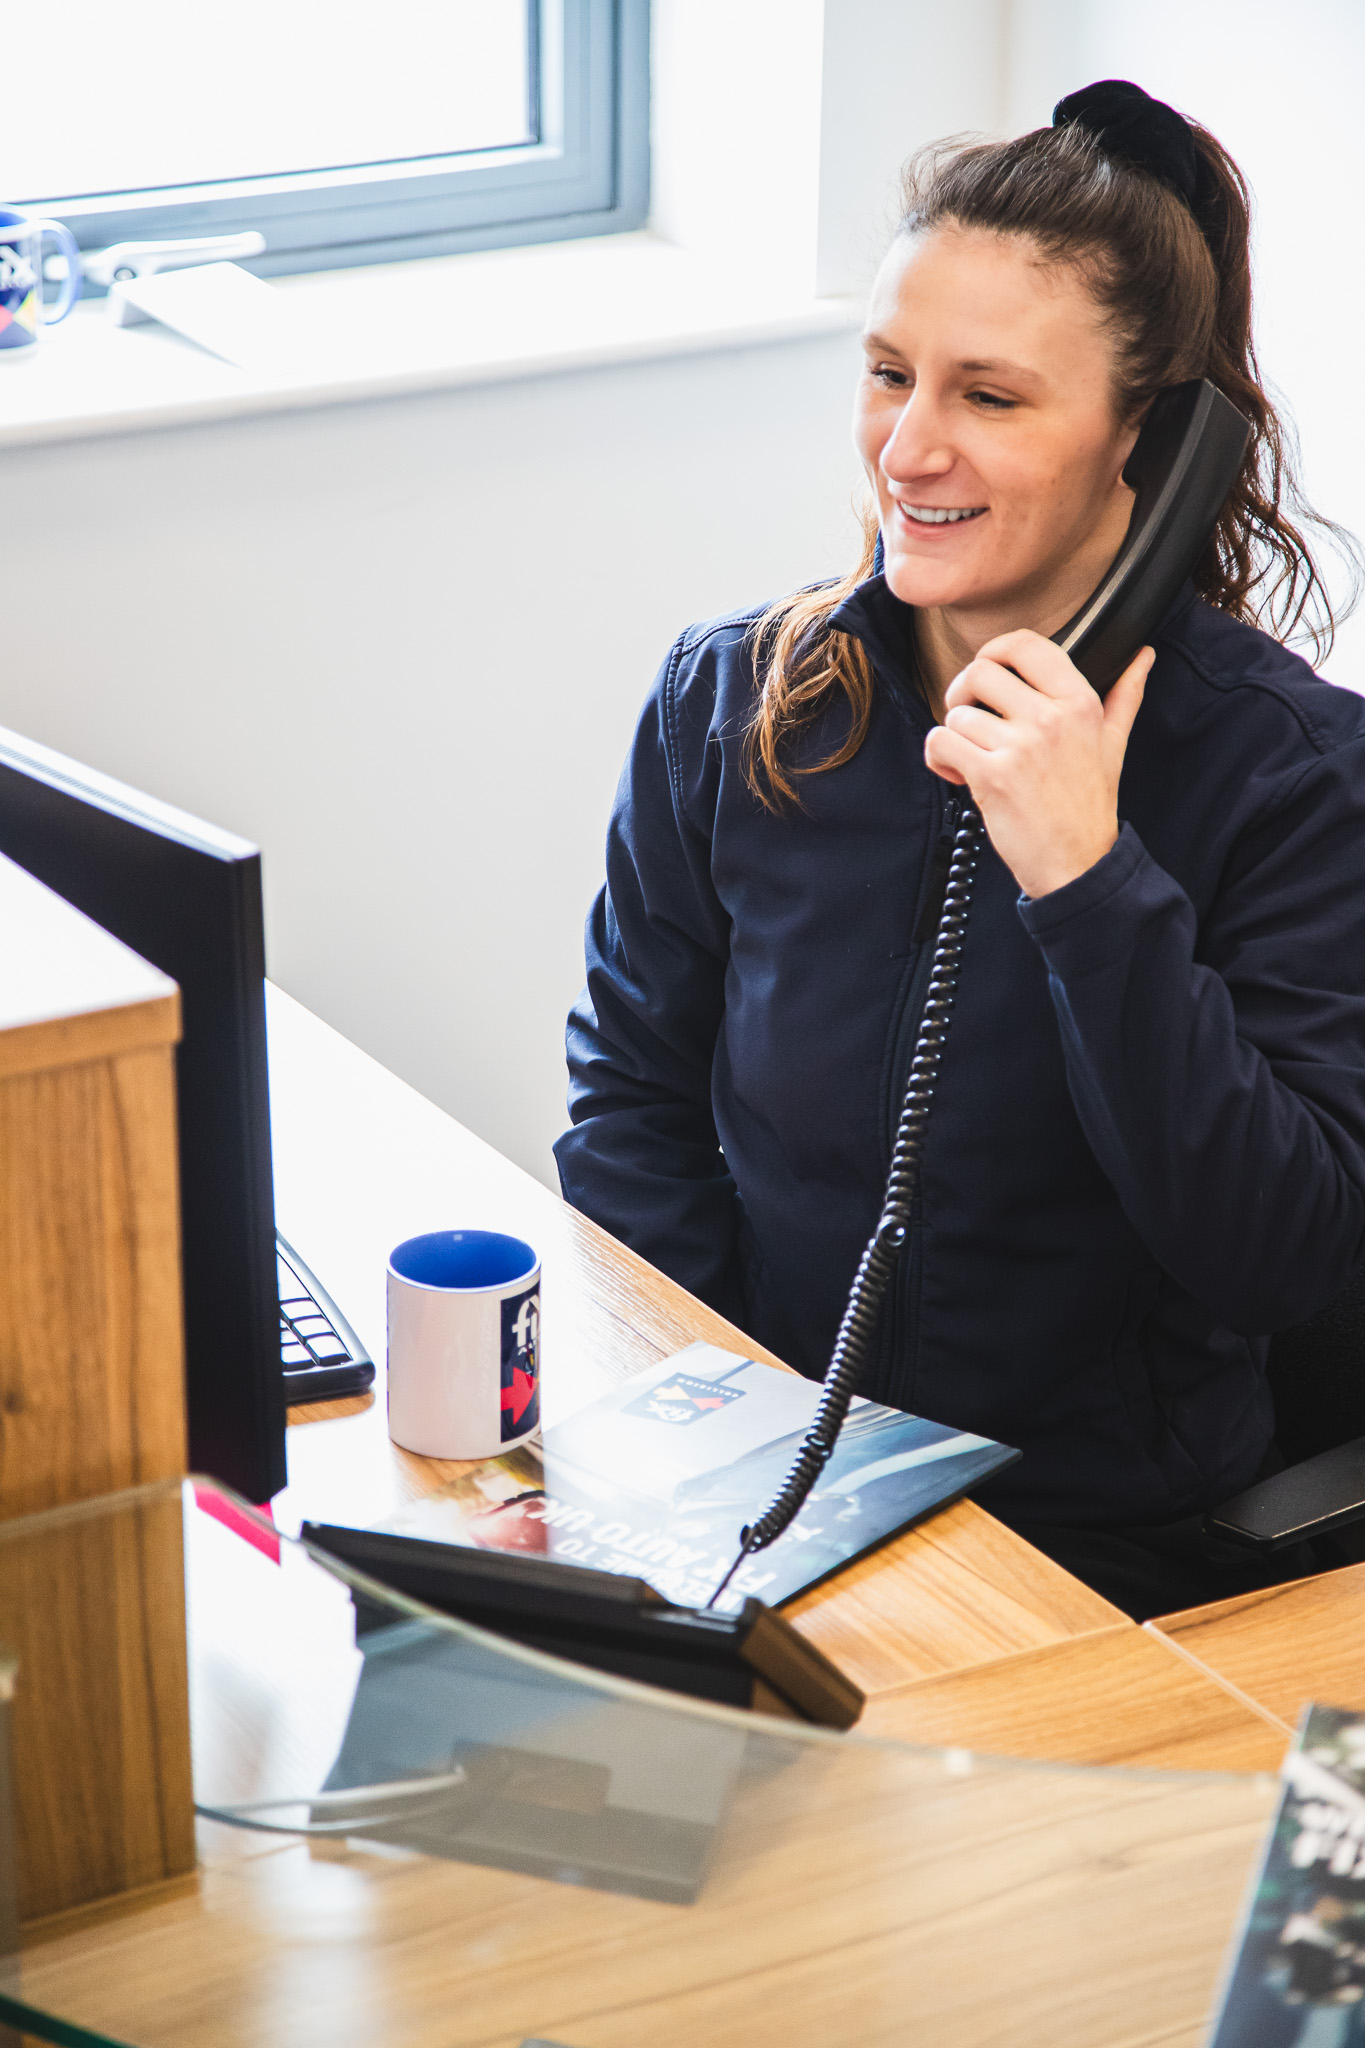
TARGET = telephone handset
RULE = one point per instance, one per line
(1184, 462)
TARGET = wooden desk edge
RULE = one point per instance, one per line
(1178, 1649)
(81, 1037)
(1119, 1697)
(1017, 1662)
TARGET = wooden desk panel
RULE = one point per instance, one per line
(861, 1899)
(1285, 1646)
(362, 1161)
(960, 1589)
(1120, 1696)
(91, 1399)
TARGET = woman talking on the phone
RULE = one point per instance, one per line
(1147, 1148)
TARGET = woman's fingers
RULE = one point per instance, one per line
(1042, 753)
(982, 728)
(986, 682)
(1040, 662)
(949, 755)
(1124, 701)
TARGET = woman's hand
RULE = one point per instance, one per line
(1042, 761)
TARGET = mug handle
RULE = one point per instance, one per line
(70, 290)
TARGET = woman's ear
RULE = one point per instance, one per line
(1128, 440)
(1135, 422)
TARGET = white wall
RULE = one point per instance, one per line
(895, 76)
(780, 126)
(735, 166)
(402, 646)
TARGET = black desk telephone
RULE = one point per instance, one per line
(1182, 467)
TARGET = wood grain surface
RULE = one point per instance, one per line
(1119, 1696)
(958, 1590)
(1285, 1646)
(91, 1351)
(71, 1041)
(95, 1610)
(859, 1897)
(91, 1401)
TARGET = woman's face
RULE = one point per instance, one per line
(988, 394)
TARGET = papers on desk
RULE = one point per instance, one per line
(657, 1478)
(1296, 1976)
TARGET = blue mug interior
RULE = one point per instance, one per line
(462, 1258)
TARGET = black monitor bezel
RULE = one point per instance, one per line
(126, 859)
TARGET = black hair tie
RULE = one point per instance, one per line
(1127, 122)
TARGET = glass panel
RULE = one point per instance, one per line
(412, 1834)
(156, 93)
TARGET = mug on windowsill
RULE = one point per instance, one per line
(22, 311)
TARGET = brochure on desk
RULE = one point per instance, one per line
(1297, 1972)
(657, 1478)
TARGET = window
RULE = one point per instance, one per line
(346, 131)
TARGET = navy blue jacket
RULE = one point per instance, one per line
(1147, 1150)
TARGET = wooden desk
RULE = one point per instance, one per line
(861, 1893)
(885, 1905)
(362, 1161)
(1115, 1697)
(1283, 1647)
(959, 1632)
(832, 1892)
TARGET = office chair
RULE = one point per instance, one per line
(1317, 1379)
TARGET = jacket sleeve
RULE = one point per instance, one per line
(1219, 1072)
(642, 1157)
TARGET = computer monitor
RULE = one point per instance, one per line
(187, 897)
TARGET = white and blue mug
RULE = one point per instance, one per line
(22, 311)
(464, 1343)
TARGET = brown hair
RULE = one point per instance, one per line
(1177, 302)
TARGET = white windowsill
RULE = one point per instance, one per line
(398, 328)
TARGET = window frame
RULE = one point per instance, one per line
(585, 172)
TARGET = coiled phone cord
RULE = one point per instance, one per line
(850, 1356)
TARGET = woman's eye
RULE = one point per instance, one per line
(991, 401)
(882, 373)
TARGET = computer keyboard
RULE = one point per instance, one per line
(321, 1356)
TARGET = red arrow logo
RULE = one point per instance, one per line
(519, 1396)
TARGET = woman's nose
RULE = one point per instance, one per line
(917, 444)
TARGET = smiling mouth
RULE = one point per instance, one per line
(939, 515)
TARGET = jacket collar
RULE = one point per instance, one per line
(872, 614)
(875, 615)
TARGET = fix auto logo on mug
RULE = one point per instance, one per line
(520, 1364)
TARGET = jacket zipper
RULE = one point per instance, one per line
(898, 1354)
